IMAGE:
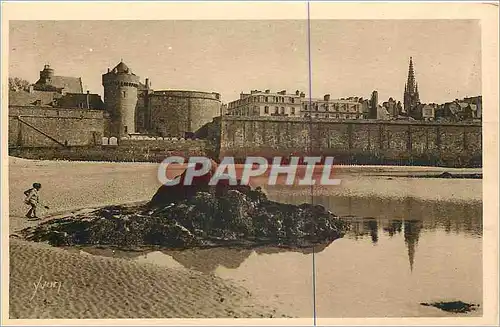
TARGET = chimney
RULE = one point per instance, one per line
(297, 92)
(327, 97)
(31, 88)
(88, 99)
(302, 95)
(108, 70)
(147, 83)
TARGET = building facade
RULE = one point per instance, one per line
(348, 109)
(51, 91)
(266, 103)
(61, 84)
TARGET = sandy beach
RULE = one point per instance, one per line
(53, 283)
(101, 287)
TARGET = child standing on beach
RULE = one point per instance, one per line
(33, 200)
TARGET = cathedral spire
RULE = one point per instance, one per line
(411, 77)
(411, 96)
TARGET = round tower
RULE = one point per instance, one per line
(120, 98)
(46, 74)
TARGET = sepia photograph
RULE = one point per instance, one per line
(289, 168)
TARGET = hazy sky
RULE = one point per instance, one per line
(349, 58)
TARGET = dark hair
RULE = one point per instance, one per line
(37, 185)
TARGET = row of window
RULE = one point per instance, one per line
(334, 107)
(262, 99)
(340, 107)
(336, 116)
(278, 110)
(256, 112)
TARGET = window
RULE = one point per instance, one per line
(292, 110)
(305, 107)
(282, 110)
(267, 99)
(125, 128)
(266, 109)
(276, 110)
(124, 94)
(292, 100)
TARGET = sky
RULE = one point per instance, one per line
(348, 57)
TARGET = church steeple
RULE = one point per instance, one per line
(411, 77)
(411, 96)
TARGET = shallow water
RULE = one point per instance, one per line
(399, 253)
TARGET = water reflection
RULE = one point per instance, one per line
(457, 217)
(370, 227)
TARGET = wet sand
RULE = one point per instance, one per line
(72, 285)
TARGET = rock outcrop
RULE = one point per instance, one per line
(196, 215)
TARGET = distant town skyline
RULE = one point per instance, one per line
(349, 57)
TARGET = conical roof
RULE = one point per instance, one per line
(122, 68)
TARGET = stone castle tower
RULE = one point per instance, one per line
(411, 96)
(120, 97)
(46, 74)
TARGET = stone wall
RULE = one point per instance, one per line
(126, 151)
(51, 127)
(353, 142)
(172, 113)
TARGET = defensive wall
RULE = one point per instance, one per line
(172, 113)
(351, 142)
(76, 134)
(52, 127)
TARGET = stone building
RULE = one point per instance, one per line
(61, 84)
(459, 110)
(52, 91)
(325, 107)
(120, 98)
(411, 96)
(266, 103)
(177, 113)
(135, 108)
(425, 112)
(373, 106)
(478, 102)
(55, 112)
(258, 103)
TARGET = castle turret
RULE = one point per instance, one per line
(46, 74)
(120, 97)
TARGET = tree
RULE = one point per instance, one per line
(17, 84)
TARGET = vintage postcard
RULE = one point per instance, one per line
(250, 163)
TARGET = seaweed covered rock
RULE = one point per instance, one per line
(453, 306)
(202, 219)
